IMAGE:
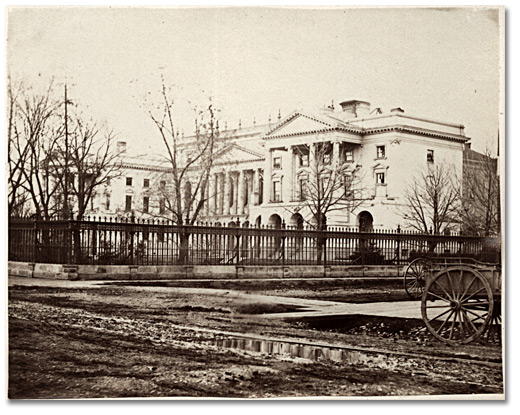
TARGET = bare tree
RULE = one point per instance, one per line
(432, 200)
(183, 189)
(92, 161)
(480, 194)
(33, 135)
(331, 184)
(46, 162)
(17, 152)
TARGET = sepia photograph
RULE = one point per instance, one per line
(282, 203)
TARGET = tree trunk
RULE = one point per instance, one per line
(184, 239)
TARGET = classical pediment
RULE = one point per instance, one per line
(299, 123)
(235, 153)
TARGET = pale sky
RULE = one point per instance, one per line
(441, 64)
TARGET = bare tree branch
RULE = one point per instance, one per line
(432, 200)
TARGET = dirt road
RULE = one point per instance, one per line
(86, 340)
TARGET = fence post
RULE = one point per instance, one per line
(283, 241)
(131, 247)
(70, 242)
(237, 241)
(35, 242)
(398, 253)
(325, 246)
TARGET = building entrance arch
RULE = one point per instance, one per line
(275, 221)
(296, 221)
(365, 221)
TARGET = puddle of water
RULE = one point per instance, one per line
(306, 351)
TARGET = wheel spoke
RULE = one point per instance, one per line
(439, 297)
(461, 326)
(460, 283)
(442, 288)
(469, 322)
(452, 325)
(441, 314)
(444, 323)
(474, 294)
(412, 283)
(451, 285)
(469, 286)
(475, 314)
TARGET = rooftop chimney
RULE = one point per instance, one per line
(355, 108)
(397, 110)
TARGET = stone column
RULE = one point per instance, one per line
(268, 176)
(212, 194)
(252, 174)
(205, 206)
(289, 177)
(335, 154)
(227, 178)
(240, 191)
(220, 193)
(256, 188)
(312, 163)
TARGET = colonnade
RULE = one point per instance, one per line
(233, 192)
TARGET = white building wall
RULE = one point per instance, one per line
(405, 158)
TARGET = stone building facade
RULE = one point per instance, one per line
(258, 175)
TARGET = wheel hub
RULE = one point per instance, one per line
(455, 305)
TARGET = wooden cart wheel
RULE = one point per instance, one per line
(415, 277)
(457, 305)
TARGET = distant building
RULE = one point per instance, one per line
(480, 194)
(259, 173)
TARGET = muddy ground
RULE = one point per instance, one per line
(137, 340)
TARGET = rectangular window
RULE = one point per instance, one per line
(325, 185)
(380, 178)
(303, 181)
(146, 183)
(349, 156)
(146, 204)
(128, 204)
(163, 184)
(277, 192)
(380, 152)
(129, 181)
(107, 202)
(162, 205)
(429, 156)
(348, 186)
(304, 160)
(326, 158)
(277, 163)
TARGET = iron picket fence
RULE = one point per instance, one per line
(127, 241)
